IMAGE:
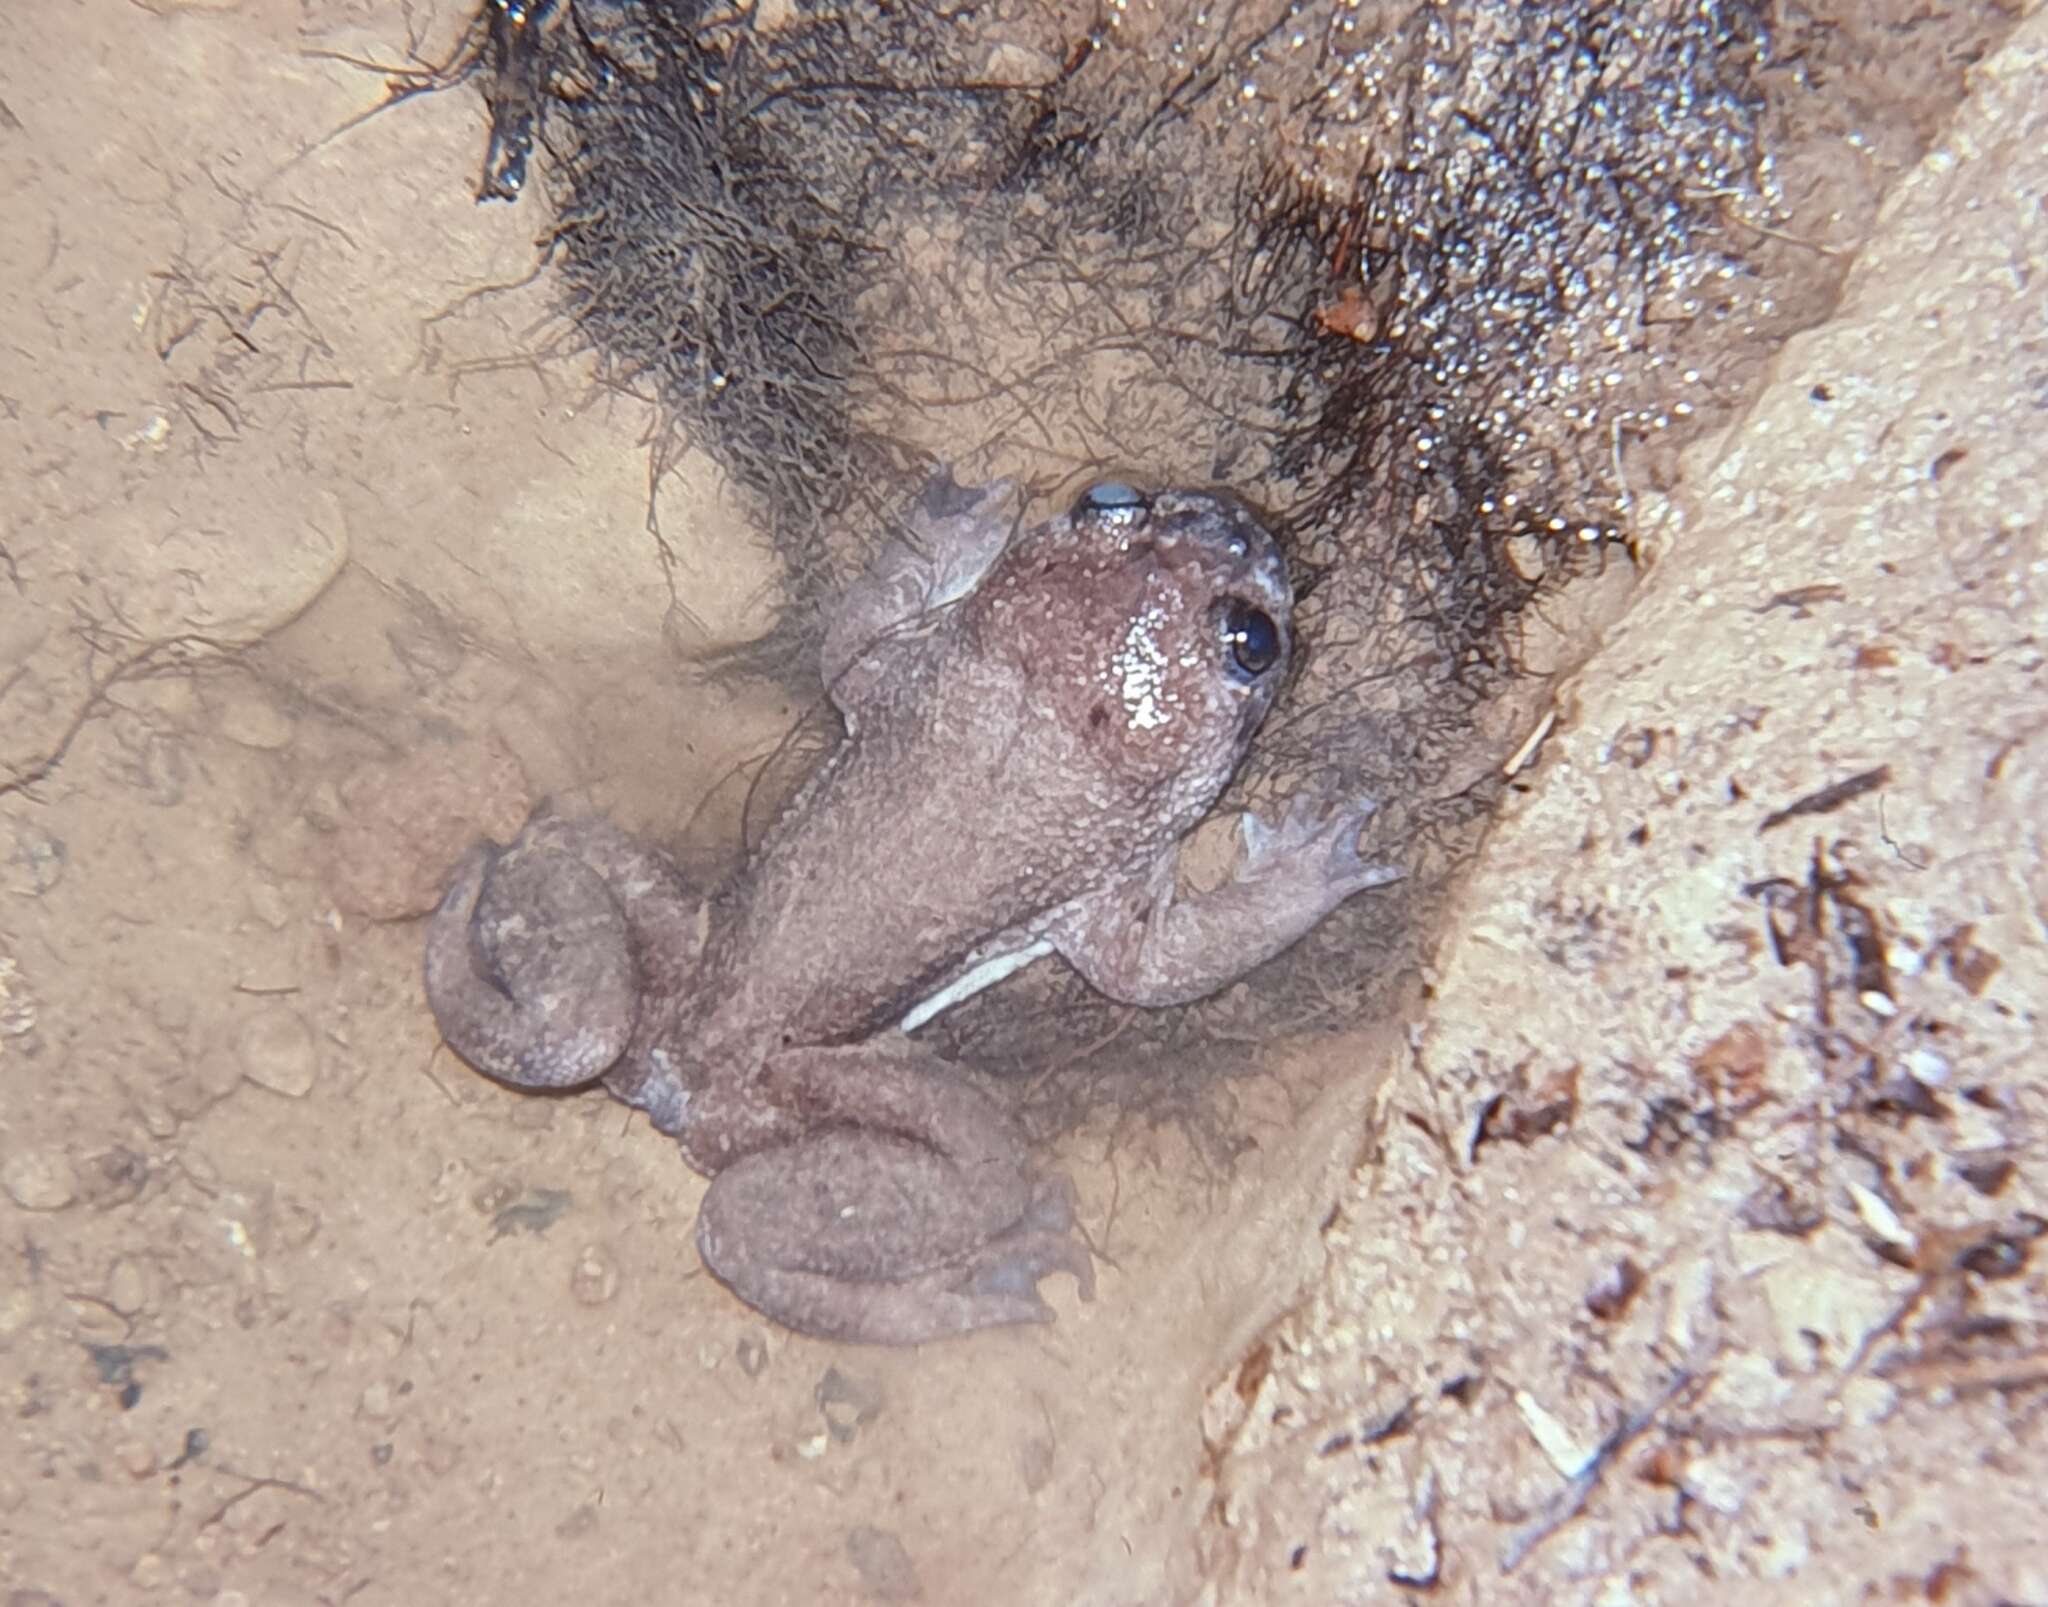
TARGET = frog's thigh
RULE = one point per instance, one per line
(836, 1263)
(929, 1223)
(862, 1205)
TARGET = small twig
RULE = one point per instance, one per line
(427, 1070)
(1530, 744)
(1829, 798)
(1571, 1500)
(133, 668)
(1884, 833)
(1800, 598)
(255, 1483)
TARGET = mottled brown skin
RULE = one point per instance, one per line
(1034, 721)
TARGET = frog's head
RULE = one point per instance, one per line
(1154, 626)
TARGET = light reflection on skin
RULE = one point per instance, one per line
(1140, 666)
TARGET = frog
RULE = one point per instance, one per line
(1036, 717)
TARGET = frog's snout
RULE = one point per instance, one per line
(1233, 539)
(1223, 530)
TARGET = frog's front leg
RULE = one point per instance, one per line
(902, 1207)
(1151, 943)
(944, 545)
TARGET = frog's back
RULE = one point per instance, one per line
(937, 825)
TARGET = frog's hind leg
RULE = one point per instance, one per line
(910, 1211)
(534, 964)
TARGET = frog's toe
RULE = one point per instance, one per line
(1315, 832)
(1349, 870)
(528, 968)
(1010, 1268)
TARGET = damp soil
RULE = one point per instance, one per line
(331, 538)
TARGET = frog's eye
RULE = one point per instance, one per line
(1252, 638)
(1112, 502)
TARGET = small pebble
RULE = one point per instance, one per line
(127, 1286)
(847, 1403)
(196, 1089)
(158, 1119)
(276, 1051)
(376, 1403)
(198, 1166)
(150, 1571)
(94, 1323)
(595, 1279)
(323, 807)
(136, 1458)
(17, 1008)
(294, 1225)
(112, 1177)
(251, 720)
(17, 1306)
(39, 1179)
(440, 1456)
(173, 1012)
(494, 1196)
(269, 905)
(883, 1563)
(38, 860)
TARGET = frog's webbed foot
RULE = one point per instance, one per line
(1043, 1240)
(530, 963)
(926, 1220)
(1152, 943)
(1315, 849)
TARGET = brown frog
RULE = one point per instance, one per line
(1034, 721)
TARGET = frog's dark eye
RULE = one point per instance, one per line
(1252, 638)
(1112, 502)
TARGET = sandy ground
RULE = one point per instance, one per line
(1703, 1250)
(306, 566)
(307, 573)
